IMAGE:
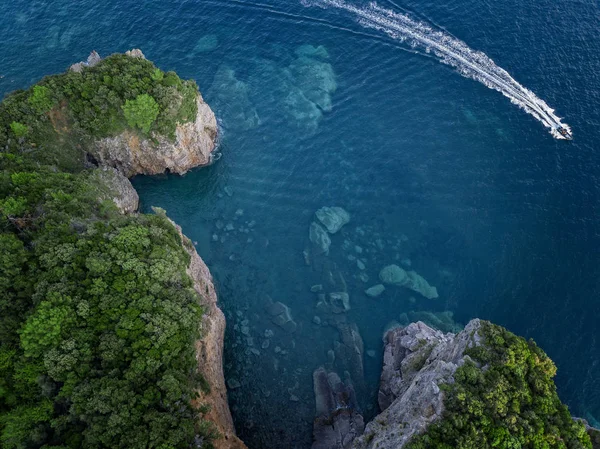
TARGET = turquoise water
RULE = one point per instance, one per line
(432, 166)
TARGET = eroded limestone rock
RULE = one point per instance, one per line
(133, 155)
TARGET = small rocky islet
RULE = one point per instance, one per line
(434, 374)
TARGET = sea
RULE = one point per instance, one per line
(430, 122)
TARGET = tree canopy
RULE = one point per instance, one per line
(98, 317)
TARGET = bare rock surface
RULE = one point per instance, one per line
(416, 362)
(338, 421)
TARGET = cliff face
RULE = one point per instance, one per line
(133, 155)
(209, 351)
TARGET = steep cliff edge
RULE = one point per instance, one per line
(209, 351)
(417, 362)
(483, 387)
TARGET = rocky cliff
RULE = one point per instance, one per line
(126, 156)
(417, 361)
(209, 351)
(132, 155)
(480, 387)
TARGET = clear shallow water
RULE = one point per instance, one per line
(502, 218)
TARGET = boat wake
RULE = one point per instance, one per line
(453, 52)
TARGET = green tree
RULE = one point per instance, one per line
(41, 99)
(19, 129)
(141, 112)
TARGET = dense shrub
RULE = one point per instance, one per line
(510, 404)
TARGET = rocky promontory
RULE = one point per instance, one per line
(133, 351)
(468, 389)
(135, 154)
(418, 360)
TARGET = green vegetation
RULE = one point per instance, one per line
(57, 118)
(19, 129)
(98, 317)
(511, 404)
(141, 112)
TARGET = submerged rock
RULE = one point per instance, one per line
(375, 291)
(206, 44)
(338, 421)
(312, 51)
(315, 79)
(333, 218)
(394, 275)
(349, 352)
(281, 316)
(339, 302)
(319, 238)
(232, 100)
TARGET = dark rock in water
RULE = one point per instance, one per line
(319, 238)
(349, 352)
(333, 218)
(338, 421)
(281, 316)
(233, 384)
(339, 302)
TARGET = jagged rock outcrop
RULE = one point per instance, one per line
(338, 421)
(93, 59)
(416, 362)
(209, 351)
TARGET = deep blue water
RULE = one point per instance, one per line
(500, 216)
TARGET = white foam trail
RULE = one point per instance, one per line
(453, 52)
